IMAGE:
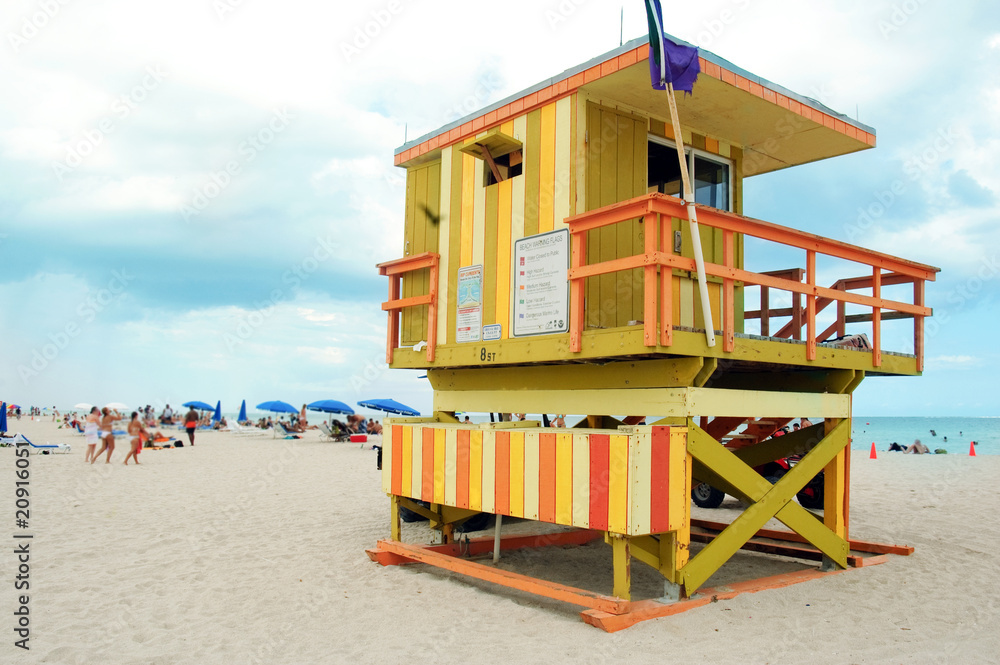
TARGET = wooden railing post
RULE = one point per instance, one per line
(393, 328)
(432, 323)
(649, 309)
(729, 293)
(765, 312)
(918, 324)
(578, 259)
(877, 317)
(666, 282)
(811, 305)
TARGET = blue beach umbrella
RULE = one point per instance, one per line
(277, 406)
(201, 406)
(217, 416)
(3, 417)
(330, 406)
(243, 412)
(389, 406)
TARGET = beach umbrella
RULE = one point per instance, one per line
(201, 406)
(3, 417)
(84, 406)
(243, 412)
(117, 406)
(217, 416)
(277, 406)
(389, 406)
(330, 406)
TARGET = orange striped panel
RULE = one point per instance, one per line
(397, 460)
(659, 485)
(547, 477)
(600, 447)
(427, 465)
(462, 469)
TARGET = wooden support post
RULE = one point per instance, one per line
(810, 306)
(395, 529)
(622, 558)
(649, 312)
(835, 486)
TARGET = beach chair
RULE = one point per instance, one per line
(242, 430)
(333, 435)
(40, 449)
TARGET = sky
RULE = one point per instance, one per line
(194, 194)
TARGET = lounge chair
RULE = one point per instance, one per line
(38, 449)
(334, 435)
(242, 430)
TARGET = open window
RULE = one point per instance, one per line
(501, 155)
(711, 175)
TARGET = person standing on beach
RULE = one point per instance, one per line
(90, 431)
(107, 434)
(191, 423)
(135, 430)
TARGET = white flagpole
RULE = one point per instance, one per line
(699, 259)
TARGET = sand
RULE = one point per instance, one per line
(251, 550)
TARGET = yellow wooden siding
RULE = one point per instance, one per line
(546, 168)
(532, 171)
(420, 234)
(444, 246)
(476, 470)
(564, 478)
(516, 477)
(616, 171)
(563, 159)
(489, 471)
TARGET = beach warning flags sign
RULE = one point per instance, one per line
(972, 448)
(872, 455)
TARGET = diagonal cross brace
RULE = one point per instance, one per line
(769, 501)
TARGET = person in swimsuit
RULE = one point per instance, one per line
(91, 432)
(191, 424)
(107, 434)
(135, 430)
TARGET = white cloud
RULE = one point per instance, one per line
(953, 362)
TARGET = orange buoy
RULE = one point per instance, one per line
(873, 455)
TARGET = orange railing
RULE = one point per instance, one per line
(394, 305)
(658, 259)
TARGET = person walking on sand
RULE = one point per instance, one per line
(90, 430)
(135, 430)
(191, 423)
(106, 433)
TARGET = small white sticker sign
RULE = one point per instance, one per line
(541, 284)
(491, 333)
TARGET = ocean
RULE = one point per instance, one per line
(959, 432)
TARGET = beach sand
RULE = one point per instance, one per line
(252, 550)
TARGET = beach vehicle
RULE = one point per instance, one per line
(810, 496)
(558, 258)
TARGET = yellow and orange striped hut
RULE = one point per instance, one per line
(548, 267)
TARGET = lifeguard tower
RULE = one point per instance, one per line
(549, 267)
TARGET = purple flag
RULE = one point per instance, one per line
(669, 62)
